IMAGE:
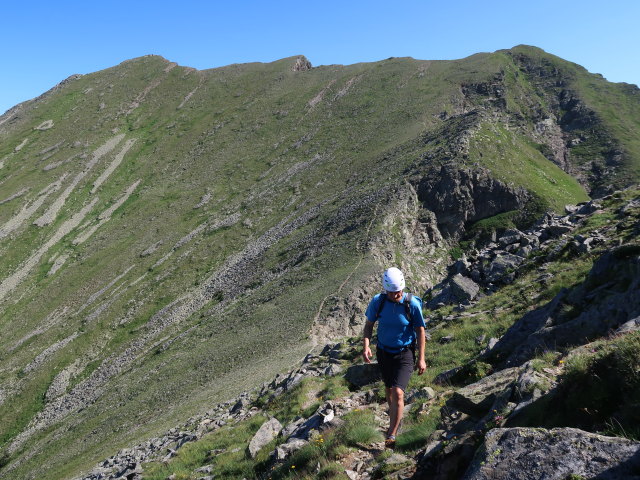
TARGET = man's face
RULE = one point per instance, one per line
(395, 296)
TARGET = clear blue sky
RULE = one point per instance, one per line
(44, 42)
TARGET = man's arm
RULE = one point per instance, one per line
(366, 339)
(421, 365)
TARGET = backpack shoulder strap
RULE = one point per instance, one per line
(382, 300)
(407, 307)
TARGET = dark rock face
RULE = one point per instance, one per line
(526, 453)
(361, 375)
(448, 462)
(569, 125)
(608, 298)
(458, 196)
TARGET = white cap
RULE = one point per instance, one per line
(393, 280)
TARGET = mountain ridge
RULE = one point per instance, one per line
(186, 209)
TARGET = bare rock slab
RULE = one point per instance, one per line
(464, 289)
(527, 453)
(267, 432)
(478, 397)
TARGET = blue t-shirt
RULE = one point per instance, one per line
(395, 330)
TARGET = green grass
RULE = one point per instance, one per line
(248, 137)
(417, 429)
(513, 159)
(360, 428)
(233, 462)
(597, 391)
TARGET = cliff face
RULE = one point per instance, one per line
(156, 219)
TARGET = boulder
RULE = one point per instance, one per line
(477, 398)
(501, 265)
(267, 432)
(323, 418)
(558, 454)
(292, 427)
(556, 230)
(509, 237)
(292, 445)
(463, 288)
(524, 251)
(450, 461)
(589, 208)
(293, 380)
(460, 266)
(425, 393)
(632, 325)
(569, 209)
(530, 240)
(361, 375)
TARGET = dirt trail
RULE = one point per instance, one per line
(318, 339)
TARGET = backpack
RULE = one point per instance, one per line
(407, 309)
(406, 302)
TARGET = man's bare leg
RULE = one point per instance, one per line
(395, 399)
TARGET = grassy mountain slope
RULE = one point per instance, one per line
(169, 236)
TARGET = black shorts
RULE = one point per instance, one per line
(395, 368)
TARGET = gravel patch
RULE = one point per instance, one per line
(53, 165)
(14, 196)
(40, 359)
(105, 216)
(46, 125)
(21, 146)
(58, 263)
(17, 277)
(29, 209)
(113, 165)
(52, 212)
(190, 94)
(101, 292)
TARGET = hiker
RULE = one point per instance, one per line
(400, 330)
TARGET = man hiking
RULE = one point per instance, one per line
(400, 329)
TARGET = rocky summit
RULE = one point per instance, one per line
(186, 257)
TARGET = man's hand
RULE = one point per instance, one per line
(368, 332)
(366, 354)
(421, 366)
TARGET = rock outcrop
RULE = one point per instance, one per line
(558, 454)
(459, 196)
(608, 298)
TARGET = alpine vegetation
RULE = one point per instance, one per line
(177, 248)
